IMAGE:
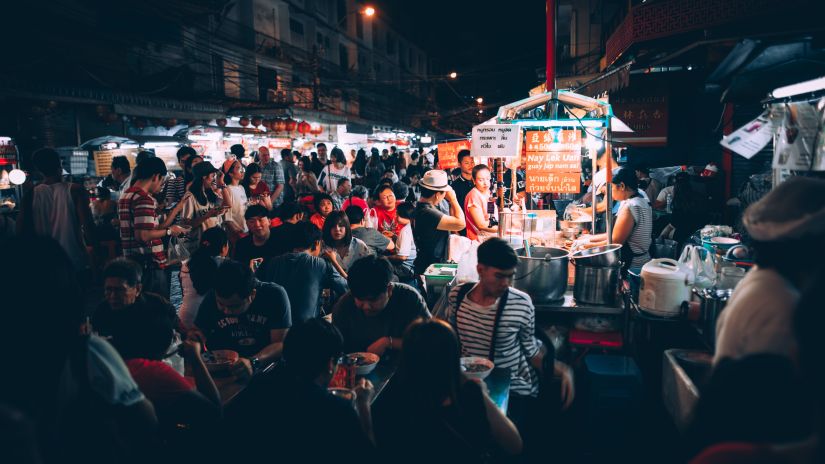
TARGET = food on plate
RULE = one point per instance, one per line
(475, 367)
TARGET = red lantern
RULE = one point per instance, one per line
(279, 125)
(221, 122)
(244, 122)
(317, 130)
(304, 127)
(290, 125)
(256, 121)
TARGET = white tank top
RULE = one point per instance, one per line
(54, 215)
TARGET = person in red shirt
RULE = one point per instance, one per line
(140, 232)
(144, 341)
(357, 198)
(323, 206)
(385, 209)
(256, 189)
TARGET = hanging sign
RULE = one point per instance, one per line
(496, 141)
(553, 161)
(751, 138)
(794, 147)
(103, 160)
(448, 153)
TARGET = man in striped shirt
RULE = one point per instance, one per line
(140, 232)
(496, 321)
(273, 175)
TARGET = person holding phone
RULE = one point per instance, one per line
(204, 205)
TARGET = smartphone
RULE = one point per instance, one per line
(256, 263)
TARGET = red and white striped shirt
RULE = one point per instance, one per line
(137, 210)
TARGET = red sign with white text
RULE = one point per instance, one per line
(553, 161)
(448, 153)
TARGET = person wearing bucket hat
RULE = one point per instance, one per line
(785, 225)
(431, 228)
(204, 205)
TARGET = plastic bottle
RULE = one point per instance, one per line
(669, 202)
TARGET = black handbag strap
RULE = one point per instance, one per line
(502, 302)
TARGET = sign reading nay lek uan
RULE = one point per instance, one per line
(497, 141)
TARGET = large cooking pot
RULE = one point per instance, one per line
(543, 275)
(601, 256)
(596, 284)
(664, 287)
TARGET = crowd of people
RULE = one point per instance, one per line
(284, 263)
(298, 261)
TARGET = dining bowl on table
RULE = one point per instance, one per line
(219, 361)
(475, 367)
(364, 362)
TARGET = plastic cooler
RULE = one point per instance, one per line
(615, 387)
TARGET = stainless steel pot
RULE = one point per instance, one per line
(601, 256)
(596, 284)
(543, 275)
(713, 301)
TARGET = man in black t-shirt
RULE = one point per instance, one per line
(464, 183)
(244, 315)
(259, 243)
(374, 314)
(431, 227)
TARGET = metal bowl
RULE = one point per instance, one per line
(601, 256)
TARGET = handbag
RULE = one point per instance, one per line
(176, 252)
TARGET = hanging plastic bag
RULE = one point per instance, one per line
(371, 218)
(176, 252)
(467, 271)
(458, 247)
(699, 264)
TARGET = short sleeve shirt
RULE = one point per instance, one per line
(476, 199)
(357, 250)
(273, 174)
(374, 239)
(249, 332)
(406, 245)
(515, 343)
(137, 210)
(360, 331)
(157, 379)
(430, 242)
(388, 220)
(108, 375)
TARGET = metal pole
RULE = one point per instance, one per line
(608, 213)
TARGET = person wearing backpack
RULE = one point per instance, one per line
(496, 321)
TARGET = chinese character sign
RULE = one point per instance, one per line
(553, 160)
(448, 153)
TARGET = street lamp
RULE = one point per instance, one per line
(453, 75)
(479, 100)
(368, 12)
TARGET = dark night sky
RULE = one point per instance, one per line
(494, 46)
